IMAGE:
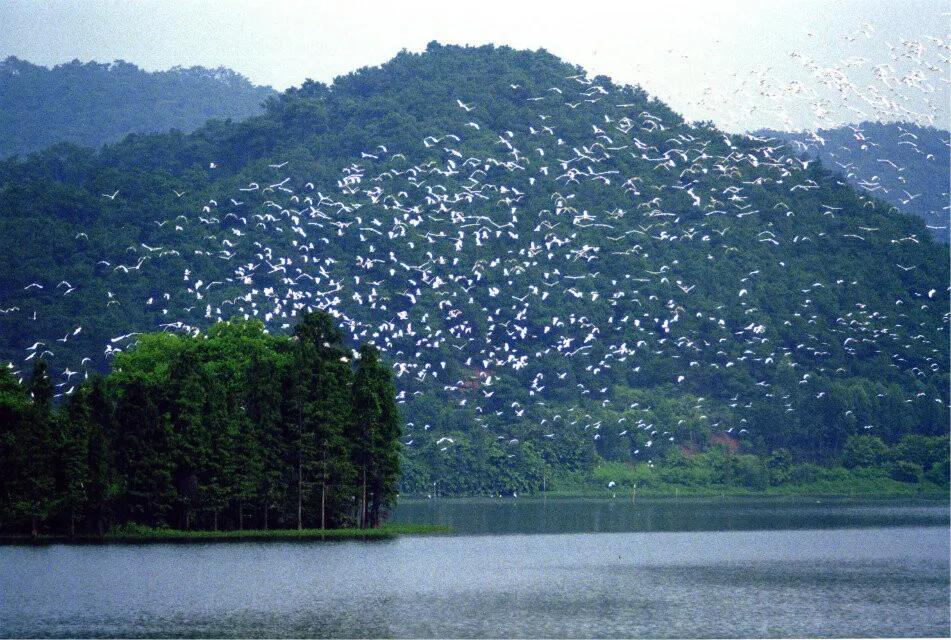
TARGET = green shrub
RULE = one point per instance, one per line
(922, 450)
(863, 451)
(833, 474)
(693, 474)
(804, 474)
(625, 475)
(869, 473)
(905, 471)
(779, 466)
(939, 472)
(750, 472)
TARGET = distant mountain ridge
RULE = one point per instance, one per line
(904, 164)
(97, 103)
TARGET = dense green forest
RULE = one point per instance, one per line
(915, 465)
(562, 273)
(232, 429)
(902, 163)
(91, 103)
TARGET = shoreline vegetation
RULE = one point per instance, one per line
(134, 534)
(828, 491)
(817, 490)
(824, 490)
(138, 534)
(806, 481)
(915, 466)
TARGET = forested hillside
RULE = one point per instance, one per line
(231, 430)
(899, 162)
(91, 104)
(560, 271)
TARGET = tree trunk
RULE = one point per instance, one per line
(363, 501)
(72, 522)
(216, 519)
(323, 486)
(240, 516)
(300, 490)
(265, 517)
(300, 461)
(34, 526)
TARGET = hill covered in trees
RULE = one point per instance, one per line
(902, 163)
(92, 104)
(230, 430)
(560, 271)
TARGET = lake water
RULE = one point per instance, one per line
(604, 569)
(553, 515)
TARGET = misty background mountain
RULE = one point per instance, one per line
(562, 272)
(900, 162)
(92, 103)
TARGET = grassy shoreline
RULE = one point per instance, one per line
(145, 535)
(735, 492)
(597, 494)
(827, 490)
(813, 482)
(816, 490)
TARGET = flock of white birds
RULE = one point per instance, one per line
(461, 274)
(872, 80)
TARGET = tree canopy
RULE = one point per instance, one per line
(231, 429)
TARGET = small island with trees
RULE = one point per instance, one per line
(232, 434)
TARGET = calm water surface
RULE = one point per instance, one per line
(733, 576)
(553, 515)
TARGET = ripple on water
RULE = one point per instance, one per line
(890, 581)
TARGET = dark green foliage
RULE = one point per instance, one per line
(922, 450)
(34, 447)
(377, 428)
(26, 448)
(93, 104)
(905, 471)
(322, 415)
(229, 430)
(72, 459)
(779, 466)
(102, 483)
(939, 473)
(14, 404)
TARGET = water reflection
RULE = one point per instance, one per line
(889, 579)
(554, 515)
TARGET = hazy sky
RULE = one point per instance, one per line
(728, 61)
